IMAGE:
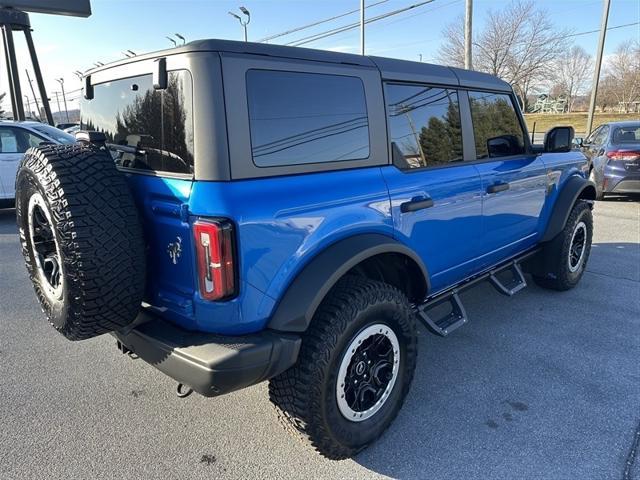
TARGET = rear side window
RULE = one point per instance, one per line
(424, 126)
(627, 134)
(301, 118)
(146, 129)
(496, 127)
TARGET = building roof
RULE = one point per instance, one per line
(390, 69)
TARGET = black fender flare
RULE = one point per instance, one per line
(295, 310)
(572, 190)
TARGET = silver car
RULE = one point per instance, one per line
(15, 139)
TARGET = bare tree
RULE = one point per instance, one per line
(622, 76)
(571, 74)
(518, 44)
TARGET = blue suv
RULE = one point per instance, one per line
(237, 212)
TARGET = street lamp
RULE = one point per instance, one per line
(172, 40)
(64, 98)
(181, 38)
(242, 21)
(78, 74)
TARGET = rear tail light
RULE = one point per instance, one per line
(625, 155)
(215, 258)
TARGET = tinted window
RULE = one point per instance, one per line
(424, 124)
(601, 137)
(300, 118)
(147, 129)
(627, 134)
(496, 127)
(17, 140)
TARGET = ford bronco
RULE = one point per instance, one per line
(238, 212)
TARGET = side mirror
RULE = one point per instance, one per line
(578, 141)
(558, 139)
(88, 88)
(502, 146)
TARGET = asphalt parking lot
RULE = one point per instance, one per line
(543, 385)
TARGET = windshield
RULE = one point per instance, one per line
(630, 134)
(55, 133)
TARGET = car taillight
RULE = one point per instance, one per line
(214, 257)
(625, 155)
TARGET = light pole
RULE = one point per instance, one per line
(64, 98)
(28, 104)
(172, 40)
(181, 38)
(58, 102)
(242, 21)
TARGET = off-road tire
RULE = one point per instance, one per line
(553, 271)
(304, 396)
(98, 232)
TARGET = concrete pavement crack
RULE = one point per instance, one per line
(612, 276)
(635, 445)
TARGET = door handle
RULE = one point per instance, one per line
(498, 187)
(415, 204)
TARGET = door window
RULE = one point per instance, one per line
(17, 140)
(601, 137)
(300, 118)
(424, 126)
(496, 126)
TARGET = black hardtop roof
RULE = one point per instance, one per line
(390, 69)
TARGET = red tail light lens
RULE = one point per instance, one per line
(625, 155)
(215, 262)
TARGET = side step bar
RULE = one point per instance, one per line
(512, 285)
(507, 279)
(448, 322)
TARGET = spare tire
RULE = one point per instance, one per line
(81, 239)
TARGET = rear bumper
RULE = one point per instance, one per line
(621, 180)
(208, 363)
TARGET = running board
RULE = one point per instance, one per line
(508, 279)
(449, 321)
(511, 285)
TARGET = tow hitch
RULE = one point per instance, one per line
(183, 391)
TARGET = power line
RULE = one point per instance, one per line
(319, 22)
(344, 28)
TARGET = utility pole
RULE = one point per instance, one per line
(58, 102)
(28, 104)
(468, 13)
(34, 94)
(64, 98)
(596, 74)
(362, 27)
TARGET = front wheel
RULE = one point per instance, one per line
(564, 259)
(354, 370)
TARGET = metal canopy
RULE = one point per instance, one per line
(74, 8)
(13, 19)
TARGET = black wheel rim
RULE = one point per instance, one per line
(577, 247)
(368, 372)
(46, 252)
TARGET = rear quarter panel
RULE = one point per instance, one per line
(281, 224)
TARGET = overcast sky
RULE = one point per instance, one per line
(65, 44)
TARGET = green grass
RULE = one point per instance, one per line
(545, 121)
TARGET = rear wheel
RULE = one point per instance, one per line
(81, 239)
(564, 259)
(354, 370)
